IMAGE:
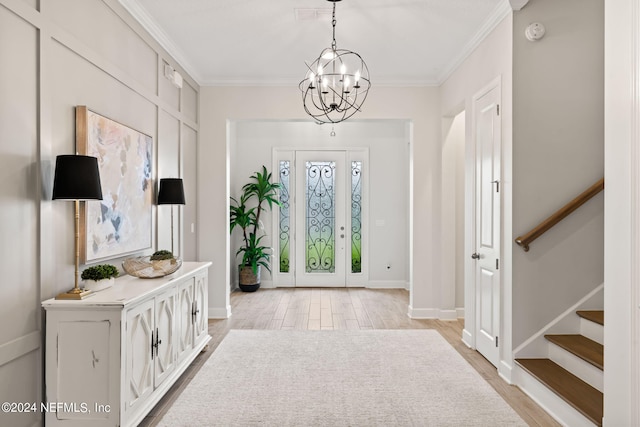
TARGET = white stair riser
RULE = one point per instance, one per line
(578, 367)
(564, 413)
(592, 330)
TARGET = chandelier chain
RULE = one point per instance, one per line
(334, 45)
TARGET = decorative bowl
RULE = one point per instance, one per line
(144, 268)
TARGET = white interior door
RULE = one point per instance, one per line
(487, 222)
(321, 223)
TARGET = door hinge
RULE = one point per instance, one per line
(497, 264)
(497, 109)
(496, 341)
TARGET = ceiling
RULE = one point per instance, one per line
(260, 42)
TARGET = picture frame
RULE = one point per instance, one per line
(122, 223)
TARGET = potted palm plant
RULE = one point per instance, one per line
(257, 195)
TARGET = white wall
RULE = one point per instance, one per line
(558, 142)
(622, 240)
(387, 188)
(417, 105)
(57, 55)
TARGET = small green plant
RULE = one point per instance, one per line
(99, 272)
(161, 254)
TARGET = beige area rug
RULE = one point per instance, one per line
(338, 378)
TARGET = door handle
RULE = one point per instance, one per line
(475, 256)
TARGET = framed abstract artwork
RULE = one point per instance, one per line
(121, 223)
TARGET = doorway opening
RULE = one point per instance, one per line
(453, 211)
(384, 253)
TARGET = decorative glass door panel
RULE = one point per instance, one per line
(321, 236)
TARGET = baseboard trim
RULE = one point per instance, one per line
(505, 372)
(387, 284)
(432, 313)
(422, 313)
(467, 338)
(219, 312)
(460, 312)
(448, 314)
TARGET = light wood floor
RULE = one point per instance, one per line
(353, 308)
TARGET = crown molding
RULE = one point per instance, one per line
(518, 4)
(391, 82)
(499, 13)
(141, 15)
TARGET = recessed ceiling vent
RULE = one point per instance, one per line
(308, 14)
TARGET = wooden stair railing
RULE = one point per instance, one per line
(525, 240)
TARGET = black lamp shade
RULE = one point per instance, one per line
(171, 192)
(76, 178)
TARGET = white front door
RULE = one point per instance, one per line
(321, 223)
(487, 125)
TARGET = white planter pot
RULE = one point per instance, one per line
(98, 285)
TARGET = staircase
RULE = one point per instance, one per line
(573, 371)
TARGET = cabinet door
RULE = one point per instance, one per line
(165, 349)
(82, 360)
(200, 304)
(184, 317)
(139, 363)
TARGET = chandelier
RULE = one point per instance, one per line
(336, 84)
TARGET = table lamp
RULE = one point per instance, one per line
(171, 192)
(76, 178)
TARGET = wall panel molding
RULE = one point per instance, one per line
(17, 348)
(22, 9)
(39, 20)
(40, 91)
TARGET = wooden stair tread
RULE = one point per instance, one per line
(596, 316)
(581, 346)
(584, 398)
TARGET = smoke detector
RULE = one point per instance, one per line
(534, 32)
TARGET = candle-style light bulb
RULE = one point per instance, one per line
(343, 69)
(357, 76)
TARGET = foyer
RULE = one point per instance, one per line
(334, 309)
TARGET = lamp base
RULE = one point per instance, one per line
(75, 294)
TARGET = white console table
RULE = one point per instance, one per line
(110, 357)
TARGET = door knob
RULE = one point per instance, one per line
(475, 256)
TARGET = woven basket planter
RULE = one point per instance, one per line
(248, 282)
